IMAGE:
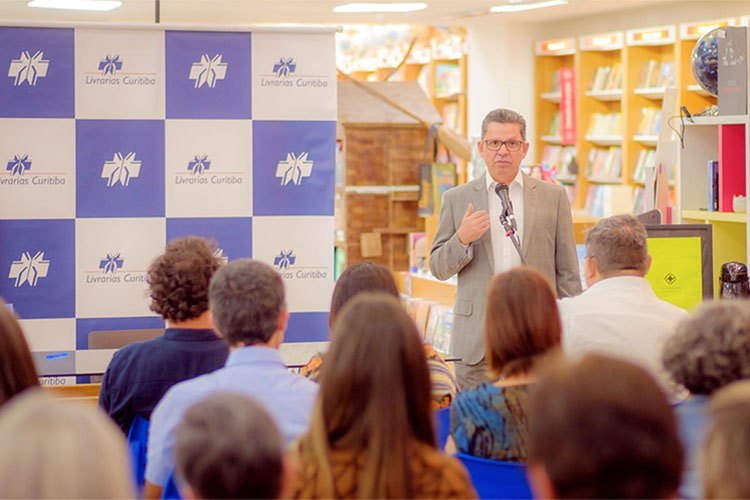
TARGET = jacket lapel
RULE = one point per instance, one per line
(481, 203)
(530, 202)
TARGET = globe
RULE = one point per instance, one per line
(705, 62)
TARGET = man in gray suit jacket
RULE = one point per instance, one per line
(471, 242)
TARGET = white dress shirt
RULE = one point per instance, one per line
(504, 253)
(621, 317)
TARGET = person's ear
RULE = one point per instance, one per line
(591, 270)
(539, 480)
(649, 261)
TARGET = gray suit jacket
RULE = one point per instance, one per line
(547, 246)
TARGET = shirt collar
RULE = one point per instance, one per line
(490, 182)
(254, 354)
(190, 334)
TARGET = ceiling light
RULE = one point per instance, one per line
(380, 7)
(101, 5)
(526, 6)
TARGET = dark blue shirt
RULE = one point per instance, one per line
(141, 373)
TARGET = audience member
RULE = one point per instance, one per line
(228, 447)
(521, 325)
(619, 314)
(140, 373)
(602, 428)
(60, 449)
(248, 306)
(17, 370)
(371, 277)
(725, 455)
(709, 350)
(371, 434)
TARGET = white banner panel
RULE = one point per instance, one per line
(50, 334)
(209, 168)
(119, 73)
(112, 257)
(37, 169)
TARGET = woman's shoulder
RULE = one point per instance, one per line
(439, 475)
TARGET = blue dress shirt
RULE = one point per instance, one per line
(255, 371)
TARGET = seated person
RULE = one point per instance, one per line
(522, 325)
(371, 277)
(17, 369)
(371, 434)
(708, 351)
(61, 449)
(248, 303)
(228, 447)
(602, 428)
(725, 454)
(141, 373)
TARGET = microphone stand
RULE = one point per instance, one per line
(510, 232)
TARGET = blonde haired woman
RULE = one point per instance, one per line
(60, 449)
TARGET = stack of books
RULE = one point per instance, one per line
(656, 75)
(607, 78)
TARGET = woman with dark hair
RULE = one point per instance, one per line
(371, 434)
(368, 276)
(522, 325)
(17, 370)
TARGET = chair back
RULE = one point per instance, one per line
(170, 491)
(442, 426)
(497, 479)
(138, 444)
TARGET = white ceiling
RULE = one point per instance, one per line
(248, 12)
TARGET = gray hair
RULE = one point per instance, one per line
(246, 298)
(502, 115)
(618, 243)
(229, 447)
(711, 348)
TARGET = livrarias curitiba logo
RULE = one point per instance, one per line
(110, 270)
(121, 169)
(18, 172)
(293, 169)
(208, 71)
(28, 68)
(28, 269)
(285, 75)
(109, 72)
(286, 264)
(201, 171)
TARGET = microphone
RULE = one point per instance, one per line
(501, 189)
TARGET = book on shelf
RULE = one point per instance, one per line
(604, 164)
(450, 115)
(447, 79)
(605, 200)
(562, 161)
(554, 126)
(667, 74)
(713, 185)
(601, 77)
(649, 123)
(417, 251)
(614, 81)
(555, 82)
(646, 158)
(603, 124)
(655, 74)
(639, 200)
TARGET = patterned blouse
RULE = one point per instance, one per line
(491, 422)
(433, 474)
(444, 386)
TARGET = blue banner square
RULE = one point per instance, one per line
(307, 327)
(208, 74)
(120, 168)
(88, 325)
(234, 236)
(39, 81)
(38, 267)
(293, 167)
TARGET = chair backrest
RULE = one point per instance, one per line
(170, 491)
(496, 479)
(442, 426)
(114, 339)
(138, 443)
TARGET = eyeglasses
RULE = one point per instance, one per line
(510, 145)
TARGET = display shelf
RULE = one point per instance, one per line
(567, 179)
(709, 217)
(552, 139)
(605, 180)
(651, 93)
(551, 96)
(605, 140)
(697, 89)
(716, 120)
(646, 140)
(605, 95)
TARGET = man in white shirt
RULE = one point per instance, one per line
(619, 314)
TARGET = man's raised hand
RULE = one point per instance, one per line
(473, 225)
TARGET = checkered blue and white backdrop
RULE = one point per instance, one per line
(115, 140)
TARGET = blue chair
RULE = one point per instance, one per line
(170, 491)
(138, 443)
(496, 479)
(442, 426)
